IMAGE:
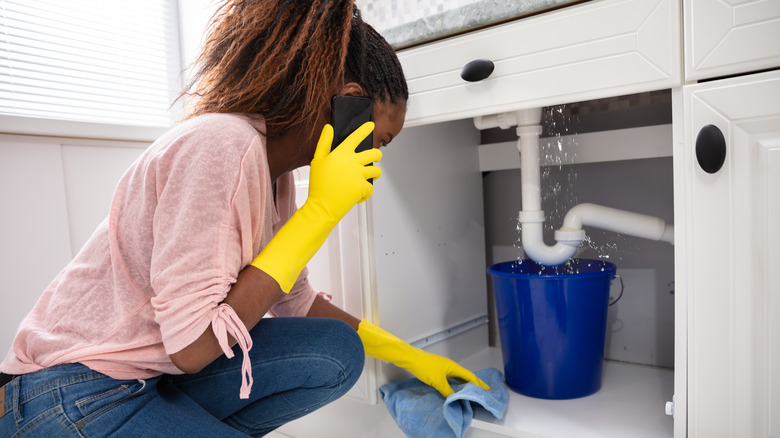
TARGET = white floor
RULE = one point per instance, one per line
(630, 403)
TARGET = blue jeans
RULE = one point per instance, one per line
(298, 364)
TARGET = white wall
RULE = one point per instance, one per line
(194, 16)
(53, 193)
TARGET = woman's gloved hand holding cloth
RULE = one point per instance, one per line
(431, 369)
(338, 180)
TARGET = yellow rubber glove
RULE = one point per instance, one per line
(428, 367)
(337, 181)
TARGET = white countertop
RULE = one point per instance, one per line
(453, 21)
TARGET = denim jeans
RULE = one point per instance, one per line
(298, 364)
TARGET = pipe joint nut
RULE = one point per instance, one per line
(529, 131)
(570, 237)
(506, 120)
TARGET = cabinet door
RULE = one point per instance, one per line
(730, 36)
(337, 270)
(732, 260)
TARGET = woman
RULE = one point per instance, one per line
(133, 337)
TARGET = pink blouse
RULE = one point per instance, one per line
(193, 210)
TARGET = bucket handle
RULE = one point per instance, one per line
(622, 287)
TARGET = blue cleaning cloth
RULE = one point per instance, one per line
(421, 411)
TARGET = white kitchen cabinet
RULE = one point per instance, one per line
(724, 260)
(424, 273)
(727, 37)
(727, 337)
(731, 258)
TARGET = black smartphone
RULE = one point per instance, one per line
(348, 113)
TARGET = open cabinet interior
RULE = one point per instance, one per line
(427, 240)
(638, 374)
(641, 321)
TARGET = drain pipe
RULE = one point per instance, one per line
(570, 236)
(532, 216)
(618, 221)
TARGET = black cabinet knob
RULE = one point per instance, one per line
(477, 70)
(710, 149)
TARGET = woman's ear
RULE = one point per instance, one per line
(352, 89)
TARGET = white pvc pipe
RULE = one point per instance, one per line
(486, 122)
(532, 216)
(535, 248)
(524, 117)
(570, 236)
(530, 176)
(619, 221)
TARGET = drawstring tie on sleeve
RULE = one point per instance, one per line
(224, 322)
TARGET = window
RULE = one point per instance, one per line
(113, 62)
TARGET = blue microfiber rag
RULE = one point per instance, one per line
(421, 411)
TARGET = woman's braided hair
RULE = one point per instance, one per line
(283, 58)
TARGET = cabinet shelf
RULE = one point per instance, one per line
(630, 403)
(595, 147)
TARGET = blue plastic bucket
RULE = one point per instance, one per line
(552, 322)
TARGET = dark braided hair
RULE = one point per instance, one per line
(283, 58)
(372, 63)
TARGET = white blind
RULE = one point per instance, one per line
(100, 61)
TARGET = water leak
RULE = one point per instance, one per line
(605, 245)
(557, 150)
(559, 185)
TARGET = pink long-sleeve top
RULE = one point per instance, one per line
(189, 214)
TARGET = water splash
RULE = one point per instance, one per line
(606, 246)
(559, 183)
(557, 151)
(518, 244)
(572, 266)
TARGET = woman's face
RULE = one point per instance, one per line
(295, 148)
(388, 117)
(388, 121)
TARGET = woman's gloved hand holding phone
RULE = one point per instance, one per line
(338, 180)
